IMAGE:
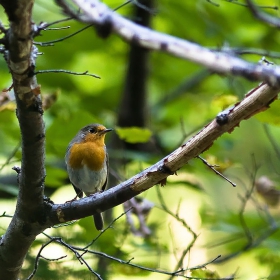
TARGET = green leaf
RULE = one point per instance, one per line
(55, 176)
(225, 100)
(134, 134)
(9, 189)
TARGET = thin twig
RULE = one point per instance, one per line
(253, 51)
(176, 216)
(213, 3)
(71, 248)
(80, 258)
(58, 28)
(58, 21)
(251, 242)
(216, 171)
(267, 18)
(66, 72)
(37, 259)
(143, 7)
(122, 5)
(174, 273)
(245, 200)
(271, 140)
(4, 215)
(51, 43)
(248, 246)
(76, 250)
(53, 260)
(242, 4)
(13, 153)
(245, 5)
(205, 264)
(104, 230)
(65, 224)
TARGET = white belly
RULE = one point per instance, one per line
(87, 180)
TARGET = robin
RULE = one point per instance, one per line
(87, 163)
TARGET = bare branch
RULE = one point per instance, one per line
(160, 271)
(216, 171)
(60, 241)
(274, 21)
(255, 101)
(51, 43)
(44, 25)
(244, 201)
(84, 251)
(4, 215)
(66, 72)
(39, 256)
(106, 21)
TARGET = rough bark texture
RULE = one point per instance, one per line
(20, 56)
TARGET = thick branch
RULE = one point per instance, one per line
(20, 57)
(107, 21)
(255, 101)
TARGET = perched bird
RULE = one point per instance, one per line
(87, 163)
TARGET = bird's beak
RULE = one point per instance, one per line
(105, 131)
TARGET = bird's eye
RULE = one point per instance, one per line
(93, 130)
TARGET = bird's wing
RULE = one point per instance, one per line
(78, 191)
(107, 164)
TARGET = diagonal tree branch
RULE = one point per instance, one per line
(255, 101)
(107, 21)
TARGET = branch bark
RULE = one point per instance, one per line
(223, 62)
(255, 101)
(20, 56)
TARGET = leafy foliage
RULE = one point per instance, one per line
(213, 211)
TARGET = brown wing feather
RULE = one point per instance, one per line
(78, 192)
(107, 164)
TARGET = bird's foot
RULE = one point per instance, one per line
(69, 201)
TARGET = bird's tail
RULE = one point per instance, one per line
(98, 221)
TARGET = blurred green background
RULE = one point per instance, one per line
(207, 203)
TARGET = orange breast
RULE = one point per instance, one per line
(87, 153)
